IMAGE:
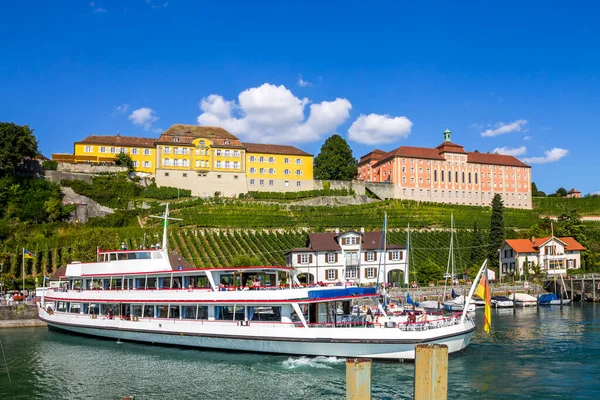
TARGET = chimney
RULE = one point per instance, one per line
(337, 231)
(362, 230)
(533, 239)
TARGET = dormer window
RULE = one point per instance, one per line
(175, 139)
(226, 142)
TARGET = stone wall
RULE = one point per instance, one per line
(89, 168)
(18, 312)
(382, 190)
(57, 176)
(357, 186)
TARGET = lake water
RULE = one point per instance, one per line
(547, 353)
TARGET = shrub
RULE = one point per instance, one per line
(164, 192)
(49, 165)
(300, 195)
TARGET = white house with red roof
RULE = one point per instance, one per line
(449, 174)
(356, 257)
(555, 256)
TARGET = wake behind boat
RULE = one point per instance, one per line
(152, 296)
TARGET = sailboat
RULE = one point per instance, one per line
(457, 303)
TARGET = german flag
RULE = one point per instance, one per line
(483, 291)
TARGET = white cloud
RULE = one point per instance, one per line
(526, 137)
(476, 126)
(96, 9)
(122, 109)
(143, 117)
(272, 114)
(518, 151)
(502, 128)
(376, 129)
(302, 82)
(550, 156)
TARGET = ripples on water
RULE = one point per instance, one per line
(552, 353)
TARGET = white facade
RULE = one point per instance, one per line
(551, 254)
(353, 261)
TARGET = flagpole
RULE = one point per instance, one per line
(23, 255)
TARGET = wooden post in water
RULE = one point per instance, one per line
(571, 289)
(582, 288)
(594, 288)
(431, 372)
(358, 379)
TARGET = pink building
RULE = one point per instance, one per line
(449, 174)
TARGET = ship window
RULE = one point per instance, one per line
(113, 256)
(161, 311)
(174, 312)
(149, 311)
(94, 309)
(188, 312)
(202, 312)
(75, 308)
(151, 283)
(267, 313)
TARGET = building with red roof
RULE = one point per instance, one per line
(357, 257)
(449, 174)
(555, 256)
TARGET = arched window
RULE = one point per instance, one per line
(442, 174)
(175, 162)
(226, 162)
(166, 162)
(236, 165)
(184, 163)
(476, 178)
(218, 164)
(435, 175)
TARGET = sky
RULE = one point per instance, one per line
(513, 77)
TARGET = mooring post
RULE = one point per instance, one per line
(594, 288)
(582, 288)
(358, 379)
(571, 289)
(431, 372)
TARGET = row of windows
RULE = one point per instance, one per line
(272, 171)
(261, 182)
(201, 151)
(461, 158)
(115, 150)
(146, 164)
(200, 175)
(474, 195)
(395, 255)
(272, 160)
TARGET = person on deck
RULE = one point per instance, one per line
(256, 284)
(110, 314)
(369, 318)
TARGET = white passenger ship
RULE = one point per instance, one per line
(152, 296)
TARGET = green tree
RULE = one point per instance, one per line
(429, 271)
(124, 160)
(534, 189)
(17, 143)
(561, 192)
(496, 229)
(478, 250)
(335, 161)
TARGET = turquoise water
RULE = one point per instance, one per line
(547, 353)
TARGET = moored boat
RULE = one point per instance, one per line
(153, 296)
(551, 299)
(524, 300)
(502, 302)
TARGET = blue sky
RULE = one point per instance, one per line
(517, 77)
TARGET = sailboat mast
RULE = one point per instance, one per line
(385, 278)
(406, 280)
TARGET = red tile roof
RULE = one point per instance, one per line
(374, 155)
(328, 241)
(572, 244)
(274, 149)
(185, 134)
(118, 141)
(527, 246)
(412, 152)
(449, 147)
(495, 159)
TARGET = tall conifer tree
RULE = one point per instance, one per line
(496, 229)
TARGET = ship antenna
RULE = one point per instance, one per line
(165, 218)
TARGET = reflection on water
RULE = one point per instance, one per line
(531, 353)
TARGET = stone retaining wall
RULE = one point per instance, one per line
(18, 312)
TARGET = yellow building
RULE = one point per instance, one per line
(203, 159)
(277, 168)
(98, 149)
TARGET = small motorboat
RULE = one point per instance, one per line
(501, 302)
(458, 304)
(551, 299)
(524, 300)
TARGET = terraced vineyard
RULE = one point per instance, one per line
(205, 248)
(247, 214)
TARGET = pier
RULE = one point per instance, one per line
(584, 287)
